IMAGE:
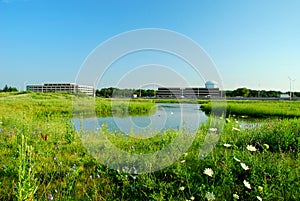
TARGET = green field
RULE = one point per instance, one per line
(257, 108)
(42, 156)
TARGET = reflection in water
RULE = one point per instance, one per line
(167, 116)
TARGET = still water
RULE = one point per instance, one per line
(167, 116)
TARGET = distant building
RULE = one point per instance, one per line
(201, 92)
(284, 96)
(210, 84)
(169, 92)
(62, 87)
(210, 90)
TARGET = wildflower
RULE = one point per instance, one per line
(134, 177)
(210, 196)
(213, 129)
(259, 198)
(192, 198)
(260, 188)
(235, 129)
(235, 196)
(91, 176)
(183, 161)
(238, 160)
(251, 148)
(227, 145)
(181, 188)
(247, 184)
(60, 163)
(54, 158)
(266, 145)
(50, 197)
(244, 166)
(55, 191)
(98, 176)
(208, 171)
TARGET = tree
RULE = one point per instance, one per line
(5, 89)
(241, 92)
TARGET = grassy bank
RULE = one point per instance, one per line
(61, 104)
(42, 158)
(265, 108)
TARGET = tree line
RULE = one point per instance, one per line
(126, 93)
(112, 92)
(239, 92)
(8, 89)
(244, 92)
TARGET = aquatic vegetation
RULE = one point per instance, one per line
(59, 167)
(257, 108)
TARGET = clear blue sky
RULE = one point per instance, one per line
(254, 44)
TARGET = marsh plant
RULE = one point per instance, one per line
(247, 163)
(27, 183)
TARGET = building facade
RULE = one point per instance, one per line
(62, 87)
(169, 92)
(210, 90)
(188, 92)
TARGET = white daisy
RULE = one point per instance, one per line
(181, 188)
(244, 166)
(235, 129)
(236, 196)
(251, 148)
(227, 145)
(208, 171)
(238, 160)
(247, 184)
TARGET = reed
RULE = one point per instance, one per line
(60, 168)
(274, 108)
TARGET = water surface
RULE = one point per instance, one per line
(167, 116)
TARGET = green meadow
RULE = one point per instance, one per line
(257, 108)
(43, 158)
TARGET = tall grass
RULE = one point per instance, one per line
(43, 158)
(272, 108)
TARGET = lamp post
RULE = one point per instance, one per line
(291, 81)
(24, 87)
(293, 89)
(290, 88)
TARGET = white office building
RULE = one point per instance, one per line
(62, 87)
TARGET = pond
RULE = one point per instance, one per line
(167, 116)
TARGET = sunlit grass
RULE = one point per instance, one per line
(251, 108)
(57, 165)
